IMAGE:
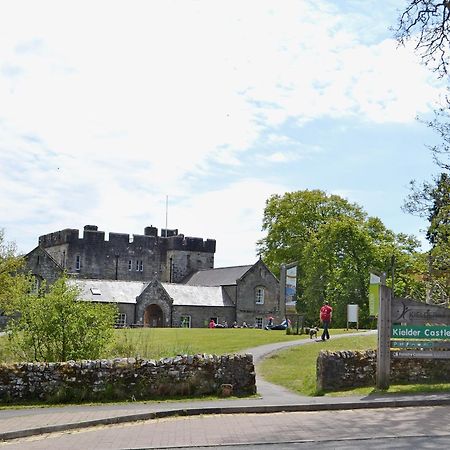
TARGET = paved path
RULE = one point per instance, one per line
(31, 421)
(402, 428)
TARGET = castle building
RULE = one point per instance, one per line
(166, 280)
(170, 257)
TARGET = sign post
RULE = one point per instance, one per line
(412, 329)
(384, 336)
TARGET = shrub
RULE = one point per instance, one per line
(57, 326)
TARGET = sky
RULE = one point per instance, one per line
(109, 110)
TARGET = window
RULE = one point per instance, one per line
(121, 320)
(36, 285)
(130, 264)
(185, 321)
(137, 266)
(259, 295)
(259, 322)
(78, 263)
(141, 266)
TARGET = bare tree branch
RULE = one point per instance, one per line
(427, 24)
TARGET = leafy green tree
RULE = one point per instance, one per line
(432, 201)
(438, 232)
(398, 256)
(12, 284)
(54, 325)
(291, 220)
(426, 23)
(339, 258)
(336, 246)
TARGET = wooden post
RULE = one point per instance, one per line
(283, 292)
(384, 337)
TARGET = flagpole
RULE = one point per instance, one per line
(167, 211)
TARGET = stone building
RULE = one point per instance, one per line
(170, 257)
(158, 281)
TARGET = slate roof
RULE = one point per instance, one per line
(112, 291)
(108, 291)
(224, 276)
(183, 295)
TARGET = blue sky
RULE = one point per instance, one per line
(107, 107)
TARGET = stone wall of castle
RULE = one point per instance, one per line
(171, 256)
(182, 263)
(126, 379)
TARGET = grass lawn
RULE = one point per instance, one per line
(163, 342)
(295, 368)
(155, 343)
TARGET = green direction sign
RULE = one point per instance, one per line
(420, 332)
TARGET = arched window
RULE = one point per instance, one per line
(259, 295)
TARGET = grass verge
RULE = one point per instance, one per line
(295, 369)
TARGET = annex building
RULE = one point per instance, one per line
(157, 280)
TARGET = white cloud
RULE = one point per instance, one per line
(231, 215)
(282, 157)
(106, 106)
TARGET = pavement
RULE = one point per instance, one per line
(24, 422)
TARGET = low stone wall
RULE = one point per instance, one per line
(128, 379)
(346, 369)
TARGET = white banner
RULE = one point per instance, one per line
(291, 286)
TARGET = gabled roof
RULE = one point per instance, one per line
(225, 276)
(112, 291)
(40, 249)
(108, 291)
(183, 295)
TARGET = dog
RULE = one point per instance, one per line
(312, 332)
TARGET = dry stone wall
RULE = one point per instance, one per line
(128, 379)
(346, 369)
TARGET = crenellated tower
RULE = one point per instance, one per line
(169, 257)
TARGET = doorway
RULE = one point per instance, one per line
(153, 317)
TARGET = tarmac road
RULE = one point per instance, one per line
(420, 427)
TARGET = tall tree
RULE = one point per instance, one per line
(399, 257)
(339, 257)
(336, 246)
(427, 24)
(292, 219)
(432, 201)
(440, 124)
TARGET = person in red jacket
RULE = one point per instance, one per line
(212, 324)
(326, 312)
